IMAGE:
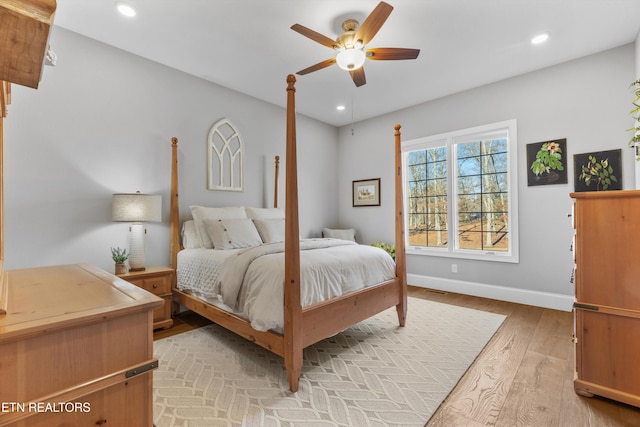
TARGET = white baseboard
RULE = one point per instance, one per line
(520, 296)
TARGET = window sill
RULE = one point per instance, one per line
(475, 255)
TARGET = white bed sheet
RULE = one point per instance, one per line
(250, 281)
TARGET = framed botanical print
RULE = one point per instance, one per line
(598, 171)
(547, 162)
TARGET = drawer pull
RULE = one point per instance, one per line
(585, 306)
(155, 286)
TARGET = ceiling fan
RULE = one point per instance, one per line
(351, 45)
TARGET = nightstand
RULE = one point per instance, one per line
(156, 280)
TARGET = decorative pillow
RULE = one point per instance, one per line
(265, 213)
(271, 230)
(344, 234)
(232, 233)
(190, 239)
(200, 213)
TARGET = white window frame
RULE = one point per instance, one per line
(449, 139)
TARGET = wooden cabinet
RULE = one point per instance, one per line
(156, 280)
(24, 39)
(607, 308)
(76, 348)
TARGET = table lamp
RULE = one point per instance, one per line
(136, 208)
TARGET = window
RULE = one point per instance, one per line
(461, 193)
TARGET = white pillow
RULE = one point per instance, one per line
(190, 239)
(200, 213)
(265, 213)
(232, 233)
(271, 230)
(346, 234)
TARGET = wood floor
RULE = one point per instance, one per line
(523, 377)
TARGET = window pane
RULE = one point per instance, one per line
(437, 239)
(482, 199)
(494, 163)
(495, 183)
(437, 187)
(467, 150)
(469, 203)
(469, 231)
(417, 230)
(427, 181)
(494, 146)
(469, 184)
(416, 157)
(494, 228)
(469, 166)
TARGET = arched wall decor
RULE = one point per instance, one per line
(225, 154)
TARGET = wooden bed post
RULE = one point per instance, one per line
(174, 213)
(401, 269)
(275, 186)
(292, 308)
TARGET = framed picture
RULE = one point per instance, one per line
(598, 171)
(366, 192)
(547, 162)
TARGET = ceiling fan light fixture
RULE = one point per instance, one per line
(351, 59)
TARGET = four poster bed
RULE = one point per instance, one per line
(303, 323)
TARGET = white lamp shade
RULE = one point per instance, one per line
(136, 207)
(351, 59)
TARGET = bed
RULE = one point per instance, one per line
(299, 321)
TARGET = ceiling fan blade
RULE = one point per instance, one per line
(391, 53)
(358, 76)
(316, 67)
(373, 22)
(315, 36)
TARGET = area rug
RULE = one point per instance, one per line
(372, 374)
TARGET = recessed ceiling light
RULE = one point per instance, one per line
(340, 107)
(126, 9)
(540, 38)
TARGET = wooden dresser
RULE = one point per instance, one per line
(76, 349)
(607, 308)
(156, 280)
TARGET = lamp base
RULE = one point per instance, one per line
(136, 248)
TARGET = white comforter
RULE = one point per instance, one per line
(250, 281)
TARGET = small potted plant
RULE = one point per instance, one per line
(119, 257)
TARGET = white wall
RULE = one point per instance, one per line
(102, 121)
(585, 101)
(637, 44)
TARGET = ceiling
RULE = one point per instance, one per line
(248, 46)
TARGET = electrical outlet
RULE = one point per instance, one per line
(454, 268)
